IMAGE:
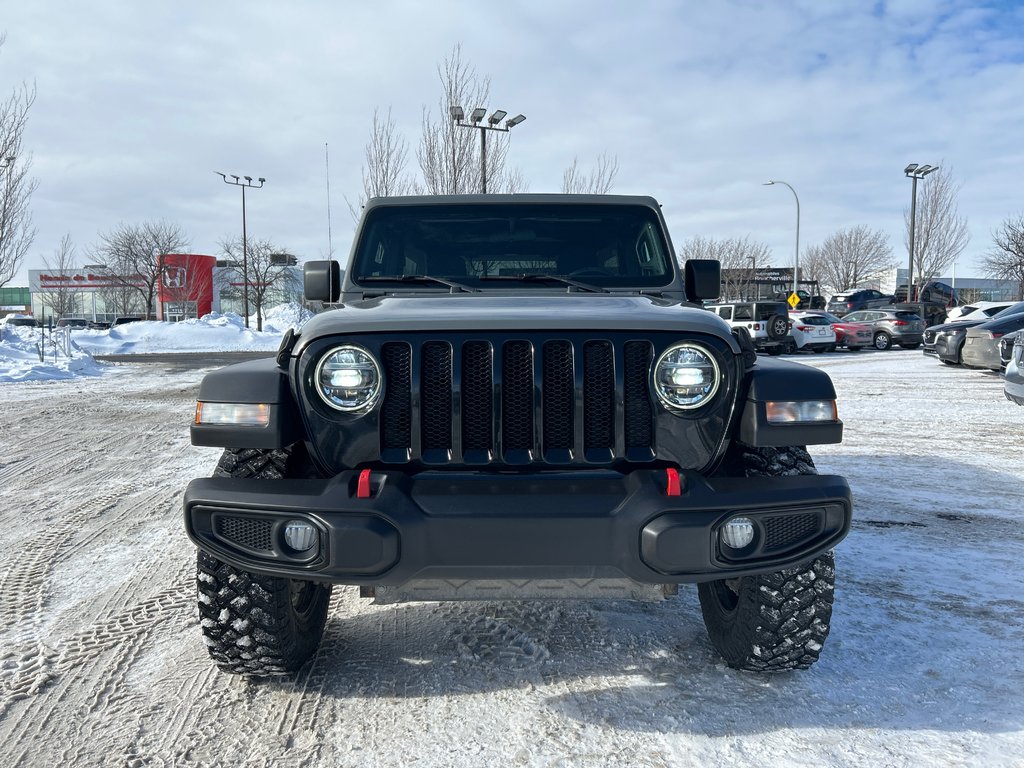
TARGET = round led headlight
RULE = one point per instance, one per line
(348, 378)
(686, 376)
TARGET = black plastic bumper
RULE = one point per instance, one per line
(465, 525)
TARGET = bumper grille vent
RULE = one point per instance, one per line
(786, 531)
(245, 532)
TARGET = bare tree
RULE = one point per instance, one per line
(739, 258)
(62, 298)
(940, 233)
(386, 155)
(449, 156)
(132, 255)
(598, 182)
(848, 258)
(271, 279)
(16, 185)
(1006, 259)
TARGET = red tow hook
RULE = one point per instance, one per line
(674, 486)
(363, 490)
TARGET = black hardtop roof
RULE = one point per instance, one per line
(520, 199)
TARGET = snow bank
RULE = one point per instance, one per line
(19, 358)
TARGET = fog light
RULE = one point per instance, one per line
(737, 533)
(300, 535)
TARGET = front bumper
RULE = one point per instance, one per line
(551, 525)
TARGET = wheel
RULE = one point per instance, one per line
(772, 622)
(789, 348)
(910, 346)
(778, 327)
(883, 340)
(254, 624)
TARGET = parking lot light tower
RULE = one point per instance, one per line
(796, 256)
(247, 183)
(914, 172)
(459, 118)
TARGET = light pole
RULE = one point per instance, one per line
(459, 118)
(245, 241)
(915, 172)
(753, 277)
(796, 256)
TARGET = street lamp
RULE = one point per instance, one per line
(245, 241)
(459, 118)
(796, 256)
(915, 172)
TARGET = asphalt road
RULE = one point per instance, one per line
(187, 361)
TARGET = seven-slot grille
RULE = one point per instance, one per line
(517, 401)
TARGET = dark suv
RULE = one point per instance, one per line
(850, 301)
(518, 396)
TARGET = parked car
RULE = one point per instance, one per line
(946, 341)
(767, 322)
(981, 346)
(850, 301)
(979, 310)
(812, 331)
(1013, 379)
(932, 292)
(26, 321)
(98, 325)
(806, 300)
(1006, 345)
(73, 322)
(122, 320)
(891, 326)
(853, 336)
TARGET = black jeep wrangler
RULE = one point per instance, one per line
(515, 397)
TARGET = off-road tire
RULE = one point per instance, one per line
(773, 622)
(777, 327)
(254, 624)
(883, 341)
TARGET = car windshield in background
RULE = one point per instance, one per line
(596, 245)
(1013, 309)
(813, 320)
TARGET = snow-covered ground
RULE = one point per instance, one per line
(101, 661)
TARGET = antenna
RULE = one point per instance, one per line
(327, 168)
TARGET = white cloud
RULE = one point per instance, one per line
(700, 103)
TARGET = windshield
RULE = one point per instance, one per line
(1013, 309)
(606, 246)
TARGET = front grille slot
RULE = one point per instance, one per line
(517, 401)
(517, 396)
(436, 400)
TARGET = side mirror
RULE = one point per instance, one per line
(703, 279)
(321, 281)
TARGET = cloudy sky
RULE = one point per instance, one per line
(700, 103)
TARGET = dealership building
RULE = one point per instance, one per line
(191, 285)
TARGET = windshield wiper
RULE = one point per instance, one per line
(541, 277)
(415, 279)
